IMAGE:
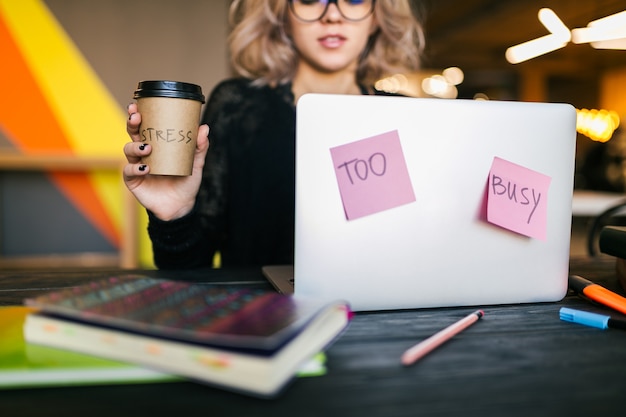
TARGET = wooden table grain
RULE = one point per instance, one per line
(518, 360)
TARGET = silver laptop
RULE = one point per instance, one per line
(415, 203)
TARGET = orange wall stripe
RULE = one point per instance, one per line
(25, 116)
(56, 72)
(27, 120)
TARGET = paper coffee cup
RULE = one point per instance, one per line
(170, 116)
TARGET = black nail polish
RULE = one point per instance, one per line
(142, 168)
(142, 146)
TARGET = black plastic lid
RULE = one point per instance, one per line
(174, 89)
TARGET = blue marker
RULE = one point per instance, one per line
(599, 321)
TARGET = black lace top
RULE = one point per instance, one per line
(245, 207)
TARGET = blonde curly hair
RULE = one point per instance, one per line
(261, 50)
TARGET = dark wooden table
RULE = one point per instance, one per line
(519, 360)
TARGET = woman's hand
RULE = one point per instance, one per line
(167, 197)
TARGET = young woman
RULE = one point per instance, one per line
(240, 199)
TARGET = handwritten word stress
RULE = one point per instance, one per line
(518, 198)
(166, 135)
(372, 175)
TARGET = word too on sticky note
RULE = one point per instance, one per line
(518, 198)
(372, 175)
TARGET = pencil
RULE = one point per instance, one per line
(423, 348)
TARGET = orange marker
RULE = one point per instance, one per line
(597, 293)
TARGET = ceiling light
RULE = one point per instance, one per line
(612, 44)
(605, 33)
(608, 32)
(554, 24)
(559, 36)
(597, 34)
(534, 48)
(614, 21)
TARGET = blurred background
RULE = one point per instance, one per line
(69, 69)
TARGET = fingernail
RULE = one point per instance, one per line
(131, 115)
(142, 167)
(142, 146)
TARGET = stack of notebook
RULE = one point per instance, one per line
(240, 338)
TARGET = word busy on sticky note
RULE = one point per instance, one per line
(517, 198)
(372, 175)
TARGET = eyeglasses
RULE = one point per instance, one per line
(312, 10)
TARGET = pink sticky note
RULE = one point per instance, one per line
(517, 198)
(372, 175)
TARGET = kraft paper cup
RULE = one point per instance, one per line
(170, 116)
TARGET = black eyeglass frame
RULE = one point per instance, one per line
(328, 3)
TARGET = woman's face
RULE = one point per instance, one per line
(332, 43)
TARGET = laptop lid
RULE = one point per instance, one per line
(412, 203)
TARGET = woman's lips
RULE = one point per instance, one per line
(332, 41)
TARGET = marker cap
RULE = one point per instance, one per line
(577, 283)
(584, 317)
